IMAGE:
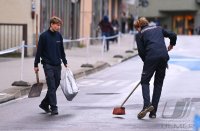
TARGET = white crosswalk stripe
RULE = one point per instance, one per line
(123, 82)
(104, 83)
(108, 83)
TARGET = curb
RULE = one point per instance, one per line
(19, 91)
(87, 71)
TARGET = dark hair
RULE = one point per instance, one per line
(106, 19)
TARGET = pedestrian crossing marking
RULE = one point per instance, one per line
(112, 82)
(104, 83)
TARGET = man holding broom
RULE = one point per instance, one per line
(154, 54)
(51, 50)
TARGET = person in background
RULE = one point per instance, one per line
(51, 51)
(157, 21)
(197, 30)
(106, 29)
(154, 54)
(123, 22)
(130, 21)
(115, 25)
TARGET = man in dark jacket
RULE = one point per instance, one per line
(51, 50)
(154, 54)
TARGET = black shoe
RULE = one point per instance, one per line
(45, 108)
(54, 112)
(144, 111)
(152, 115)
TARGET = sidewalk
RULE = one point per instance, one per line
(10, 68)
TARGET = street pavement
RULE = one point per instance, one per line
(100, 92)
(94, 55)
(91, 111)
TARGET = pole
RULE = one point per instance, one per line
(119, 40)
(137, 9)
(21, 82)
(83, 12)
(36, 35)
(88, 53)
(103, 47)
(22, 61)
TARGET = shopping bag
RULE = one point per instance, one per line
(68, 84)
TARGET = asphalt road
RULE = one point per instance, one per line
(99, 93)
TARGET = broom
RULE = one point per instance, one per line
(121, 110)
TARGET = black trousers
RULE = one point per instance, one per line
(123, 28)
(53, 77)
(156, 67)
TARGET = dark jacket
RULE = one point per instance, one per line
(151, 44)
(50, 49)
(105, 25)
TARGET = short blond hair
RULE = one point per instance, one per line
(55, 20)
(143, 21)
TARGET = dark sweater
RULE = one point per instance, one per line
(50, 49)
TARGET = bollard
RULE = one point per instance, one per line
(131, 48)
(103, 47)
(21, 82)
(119, 46)
(87, 55)
(22, 61)
(119, 39)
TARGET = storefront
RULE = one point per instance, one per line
(183, 24)
(183, 19)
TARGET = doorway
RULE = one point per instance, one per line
(183, 24)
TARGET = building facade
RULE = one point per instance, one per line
(17, 22)
(181, 16)
(80, 19)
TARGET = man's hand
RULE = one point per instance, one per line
(36, 69)
(66, 65)
(170, 47)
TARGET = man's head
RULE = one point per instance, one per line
(140, 23)
(143, 21)
(105, 18)
(55, 23)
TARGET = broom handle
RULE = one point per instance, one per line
(37, 77)
(130, 94)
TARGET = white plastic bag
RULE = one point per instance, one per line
(68, 84)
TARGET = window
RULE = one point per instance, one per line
(69, 12)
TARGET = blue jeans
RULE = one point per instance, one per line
(106, 34)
